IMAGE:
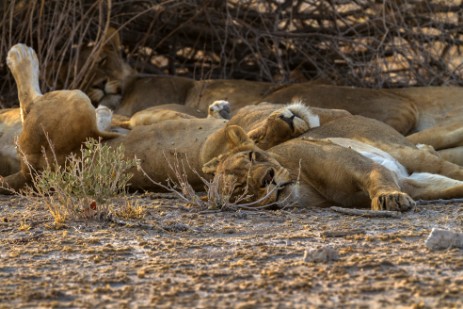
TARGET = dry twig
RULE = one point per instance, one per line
(367, 213)
(360, 43)
(440, 202)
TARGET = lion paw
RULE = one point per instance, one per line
(298, 117)
(395, 201)
(21, 55)
(219, 109)
(24, 65)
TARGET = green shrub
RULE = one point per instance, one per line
(81, 187)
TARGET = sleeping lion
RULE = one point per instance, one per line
(352, 161)
(66, 118)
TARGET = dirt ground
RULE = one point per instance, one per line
(178, 256)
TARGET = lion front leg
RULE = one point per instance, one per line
(453, 155)
(385, 192)
(395, 201)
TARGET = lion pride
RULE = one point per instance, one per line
(55, 124)
(320, 170)
(430, 115)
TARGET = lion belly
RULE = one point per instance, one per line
(331, 174)
(168, 146)
(372, 153)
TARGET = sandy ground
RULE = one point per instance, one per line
(178, 256)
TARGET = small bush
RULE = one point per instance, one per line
(81, 187)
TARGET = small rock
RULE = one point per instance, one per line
(240, 215)
(176, 227)
(442, 239)
(321, 255)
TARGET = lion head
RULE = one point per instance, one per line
(219, 109)
(283, 124)
(248, 174)
(110, 73)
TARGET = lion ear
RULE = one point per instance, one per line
(237, 141)
(256, 134)
(236, 135)
(112, 40)
(211, 166)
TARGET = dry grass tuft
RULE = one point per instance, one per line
(131, 210)
(81, 188)
(24, 226)
(179, 185)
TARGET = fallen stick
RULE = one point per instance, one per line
(442, 202)
(342, 233)
(367, 213)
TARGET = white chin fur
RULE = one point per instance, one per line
(103, 118)
(304, 112)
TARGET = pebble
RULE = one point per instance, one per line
(321, 255)
(440, 239)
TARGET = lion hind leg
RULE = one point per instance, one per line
(14, 182)
(427, 186)
(24, 65)
(440, 137)
(454, 155)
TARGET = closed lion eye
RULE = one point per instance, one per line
(251, 156)
(259, 157)
(268, 178)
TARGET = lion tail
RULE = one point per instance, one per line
(109, 135)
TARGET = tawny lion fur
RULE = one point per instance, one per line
(317, 169)
(64, 119)
(430, 115)
(351, 161)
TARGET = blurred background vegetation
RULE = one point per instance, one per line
(367, 43)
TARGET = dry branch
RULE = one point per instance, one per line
(342, 233)
(440, 202)
(367, 213)
(361, 43)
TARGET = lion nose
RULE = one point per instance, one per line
(288, 120)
